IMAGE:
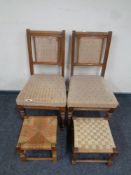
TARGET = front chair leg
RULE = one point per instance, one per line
(62, 113)
(109, 114)
(22, 112)
(70, 113)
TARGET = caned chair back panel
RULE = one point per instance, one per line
(46, 47)
(90, 49)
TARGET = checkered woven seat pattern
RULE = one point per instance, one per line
(43, 90)
(90, 91)
(93, 135)
(38, 133)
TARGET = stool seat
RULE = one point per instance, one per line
(38, 133)
(93, 135)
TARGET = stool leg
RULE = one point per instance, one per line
(54, 154)
(22, 155)
(74, 156)
(111, 158)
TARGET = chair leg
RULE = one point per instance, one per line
(62, 113)
(109, 114)
(54, 154)
(22, 112)
(66, 116)
(70, 113)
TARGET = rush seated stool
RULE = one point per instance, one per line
(38, 133)
(92, 136)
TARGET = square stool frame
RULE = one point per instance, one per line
(22, 152)
(24, 157)
(76, 152)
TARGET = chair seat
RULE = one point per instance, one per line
(43, 90)
(90, 91)
(38, 133)
(93, 135)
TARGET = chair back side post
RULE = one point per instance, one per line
(46, 48)
(63, 53)
(103, 41)
(30, 51)
(72, 52)
(106, 53)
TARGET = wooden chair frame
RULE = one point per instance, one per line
(75, 153)
(23, 156)
(61, 37)
(101, 35)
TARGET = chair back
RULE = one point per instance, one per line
(90, 49)
(46, 48)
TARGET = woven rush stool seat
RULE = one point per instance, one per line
(38, 133)
(90, 91)
(42, 90)
(93, 136)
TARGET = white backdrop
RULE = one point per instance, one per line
(82, 15)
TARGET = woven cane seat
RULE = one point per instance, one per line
(90, 91)
(93, 135)
(37, 133)
(43, 90)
